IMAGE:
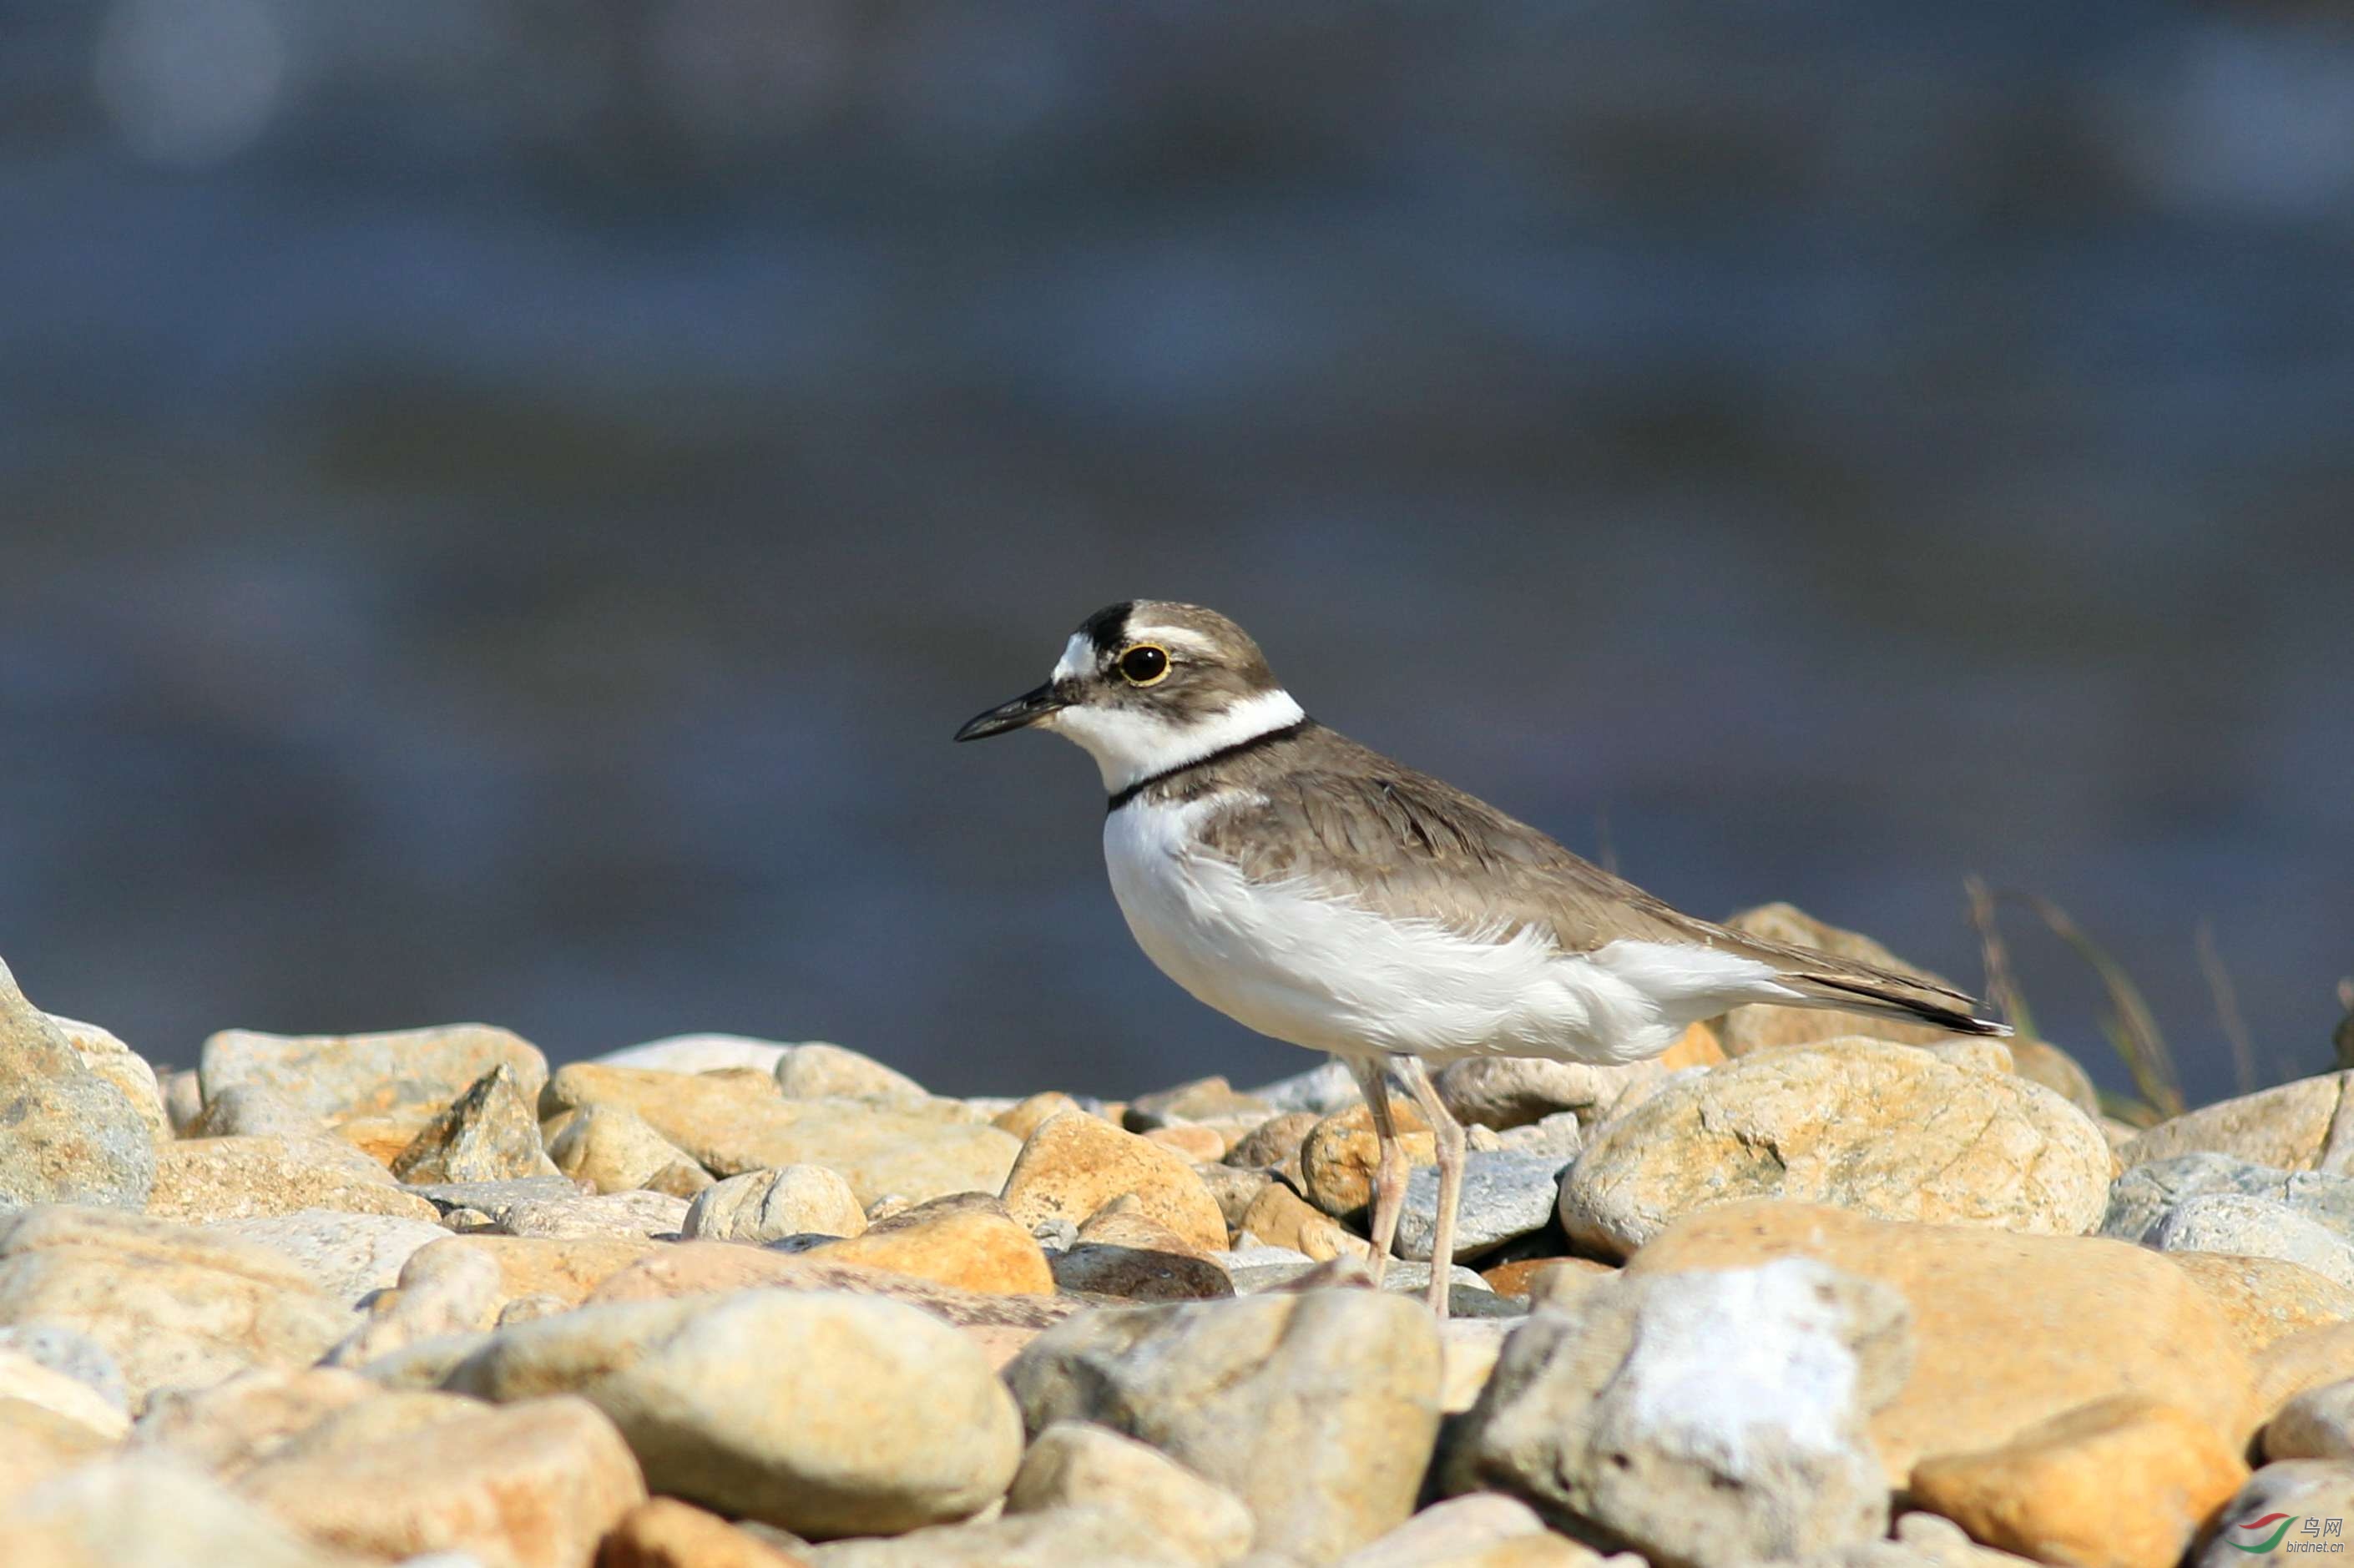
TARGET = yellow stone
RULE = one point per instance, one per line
(2266, 1299)
(2008, 1330)
(2125, 1482)
(967, 1242)
(1281, 1217)
(1073, 1164)
(664, 1532)
(1022, 1119)
(1338, 1159)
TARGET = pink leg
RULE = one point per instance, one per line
(1448, 1134)
(1389, 1170)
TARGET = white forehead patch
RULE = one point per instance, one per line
(1078, 657)
(1079, 653)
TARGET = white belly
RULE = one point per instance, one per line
(1322, 973)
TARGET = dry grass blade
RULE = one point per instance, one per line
(2342, 1038)
(2227, 1008)
(2133, 1033)
(2002, 992)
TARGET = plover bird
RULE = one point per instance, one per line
(1318, 892)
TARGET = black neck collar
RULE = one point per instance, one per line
(1263, 738)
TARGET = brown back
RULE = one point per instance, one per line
(1343, 818)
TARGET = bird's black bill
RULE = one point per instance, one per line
(1020, 714)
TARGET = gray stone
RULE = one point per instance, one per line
(818, 1070)
(2316, 1425)
(73, 1352)
(1235, 1189)
(1322, 1089)
(532, 1485)
(625, 1215)
(26, 1381)
(532, 1308)
(1319, 1410)
(733, 1121)
(490, 1133)
(611, 1148)
(1561, 1133)
(2303, 1125)
(441, 1291)
(336, 1077)
(174, 1306)
(784, 1541)
(1513, 1091)
(2303, 1489)
(1261, 1269)
(1137, 1273)
(1505, 1195)
(1203, 1099)
(1938, 1542)
(1469, 1346)
(1980, 1054)
(423, 1363)
(1274, 1144)
(1920, 1540)
(763, 1206)
(224, 1428)
(1074, 1464)
(698, 1053)
(255, 1110)
(72, 1137)
(205, 1180)
(494, 1198)
(1058, 1233)
(941, 1162)
(103, 1053)
(1883, 1130)
(148, 1513)
(1454, 1531)
(346, 1256)
(828, 1414)
(1056, 1538)
(2254, 1227)
(2139, 1199)
(2056, 1070)
(184, 1099)
(1703, 1419)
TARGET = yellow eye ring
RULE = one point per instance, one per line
(1144, 664)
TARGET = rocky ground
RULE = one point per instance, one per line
(1796, 1294)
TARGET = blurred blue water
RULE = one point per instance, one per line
(502, 504)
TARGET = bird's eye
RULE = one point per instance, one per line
(1145, 664)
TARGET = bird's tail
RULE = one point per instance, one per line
(1809, 977)
(1861, 988)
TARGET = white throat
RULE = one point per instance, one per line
(1129, 746)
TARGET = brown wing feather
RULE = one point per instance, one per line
(1343, 816)
(1335, 813)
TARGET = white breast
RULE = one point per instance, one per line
(1300, 965)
